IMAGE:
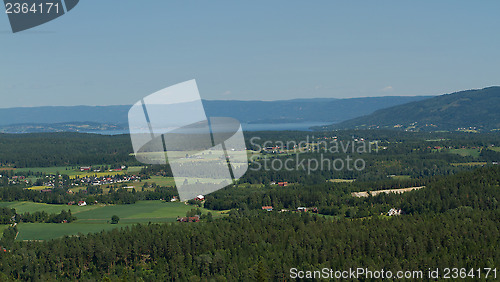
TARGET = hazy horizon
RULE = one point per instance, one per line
(234, 100)
(101, 53)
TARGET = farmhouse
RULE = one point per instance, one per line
(267, 208)
(200, 198)
(283, 184)
(82, 203)
(195, 218)
(302, 209)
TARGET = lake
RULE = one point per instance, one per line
(300, 126)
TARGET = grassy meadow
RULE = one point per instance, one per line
(466, 152)
(95, 218)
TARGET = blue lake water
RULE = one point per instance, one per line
(301, 126)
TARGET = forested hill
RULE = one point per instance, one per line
(453, 224)
(303, 110)
(329, 110)
(465, 110)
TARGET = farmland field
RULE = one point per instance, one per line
(143, 211)
(160, 180)
(38, 188)
(49, 170)
(94, 174)
(466, 152)
(134, 169)
(22, 207)
(95, 218)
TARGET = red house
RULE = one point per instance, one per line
(195, 218)
(283, 184)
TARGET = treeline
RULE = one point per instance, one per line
(64, 149)
(43, 217)
(261, 246)
(92, 194)
(10, 216)
(7, 215)
(80, 149)
(490, 155)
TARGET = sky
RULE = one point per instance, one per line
(111, 52)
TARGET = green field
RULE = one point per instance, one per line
(96, 217)
(94, 174)
(22, 207)
(466, 152)
(134, 169)
(49, 170)
(143, 211)
(160, 180)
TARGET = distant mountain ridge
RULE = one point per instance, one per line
(465, 110)
(303, 110)
(285, 111)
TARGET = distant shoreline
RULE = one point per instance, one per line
(297, 126)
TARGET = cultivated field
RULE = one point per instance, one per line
(466, 152)
(95, 174)
(375, 193)
(95, 218)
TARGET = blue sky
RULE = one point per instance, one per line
(107, 52)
